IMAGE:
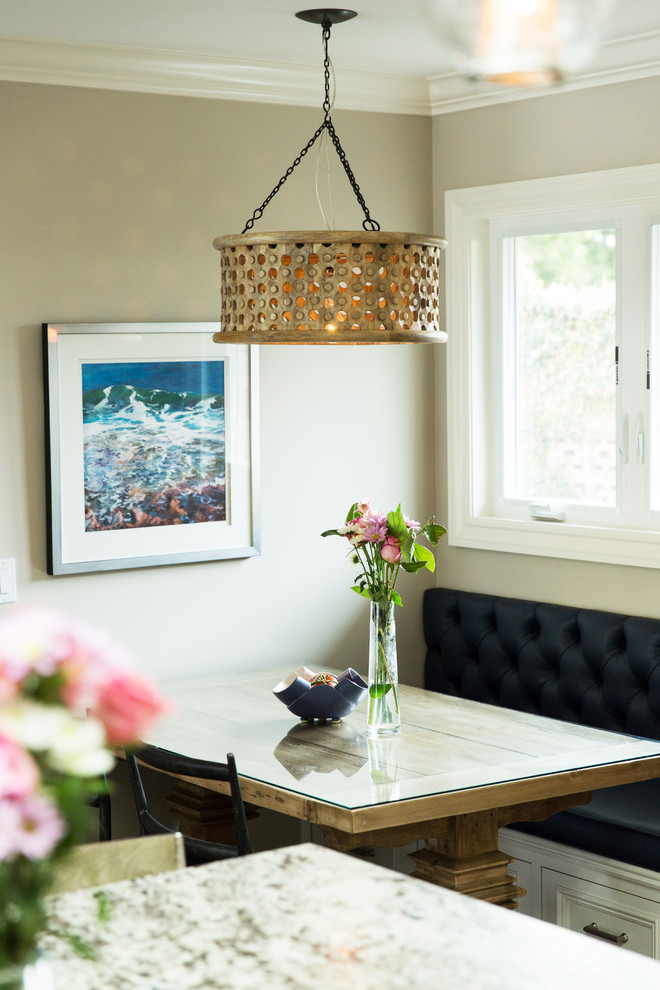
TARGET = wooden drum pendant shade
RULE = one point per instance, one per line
(330, 287)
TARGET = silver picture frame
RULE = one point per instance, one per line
(151, 446)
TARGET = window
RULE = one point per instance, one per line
(558, 334)
(553, 315)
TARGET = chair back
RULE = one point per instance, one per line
(197, 850)
(102, 802)
(97, 863)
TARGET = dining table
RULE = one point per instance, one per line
(456, 773)
(307, 916)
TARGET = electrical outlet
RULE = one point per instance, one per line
(8, 580)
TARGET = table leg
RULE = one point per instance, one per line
(462, 855)
(466, 859)
(204, 814)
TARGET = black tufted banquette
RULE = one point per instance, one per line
(580, 665)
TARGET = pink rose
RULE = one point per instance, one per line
(19, 774)
(127, 705)
(391, 550)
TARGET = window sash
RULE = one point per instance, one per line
(626, 199)
(509, 386)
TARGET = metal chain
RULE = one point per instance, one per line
(368, 223)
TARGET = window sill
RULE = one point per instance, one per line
(603, 544)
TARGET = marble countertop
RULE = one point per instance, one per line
(308, 917)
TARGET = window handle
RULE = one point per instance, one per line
(623, 439)
(639, 439)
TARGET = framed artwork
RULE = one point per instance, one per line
(151, 441)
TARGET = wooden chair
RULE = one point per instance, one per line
(197, 850)
(97, 863)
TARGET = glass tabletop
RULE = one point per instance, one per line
(446, 744)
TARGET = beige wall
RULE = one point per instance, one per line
(109, 205)
(607, 127)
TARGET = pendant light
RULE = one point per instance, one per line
(522, 42)
(328, 286)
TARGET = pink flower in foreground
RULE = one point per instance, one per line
(29, 827)
(391, 550)
(43, 641)
(19, 774)
(127, 705)
(32, 639)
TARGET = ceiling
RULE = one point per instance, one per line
(394, 55)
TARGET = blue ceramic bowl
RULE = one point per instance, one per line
(320, 701)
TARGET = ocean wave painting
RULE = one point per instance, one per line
(153, 443)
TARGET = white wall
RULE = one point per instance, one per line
(109, 205)
(606, 127)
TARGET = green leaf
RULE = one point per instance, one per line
(433, 531)
(413, 566)
(364, 592)
(407, 546)
(396, 524)
(351, 512)
(396, 597)
(332, 532)
(379, 690)
(425, 555)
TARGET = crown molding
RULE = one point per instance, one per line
(621, 60)
(190, 74)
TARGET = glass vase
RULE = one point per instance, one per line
(33, 975)
(383, 716)
(11, 977)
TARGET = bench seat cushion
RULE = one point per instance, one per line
(621, 823)
(592, 667)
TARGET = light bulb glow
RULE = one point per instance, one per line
(522, 42)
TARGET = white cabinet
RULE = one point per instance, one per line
(612, 914)
(577, 890)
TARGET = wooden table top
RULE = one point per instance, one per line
(452, 756)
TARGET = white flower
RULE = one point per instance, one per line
(32, 724)
(70, 745)
(79, 749)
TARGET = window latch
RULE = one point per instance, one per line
(547, 513)
(639, 439)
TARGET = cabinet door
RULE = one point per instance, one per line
(615, 915)
(522, 874)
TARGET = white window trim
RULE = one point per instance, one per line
(469, 214)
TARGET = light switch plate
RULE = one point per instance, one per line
(8, 580)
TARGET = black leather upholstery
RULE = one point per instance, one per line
(596, 668)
